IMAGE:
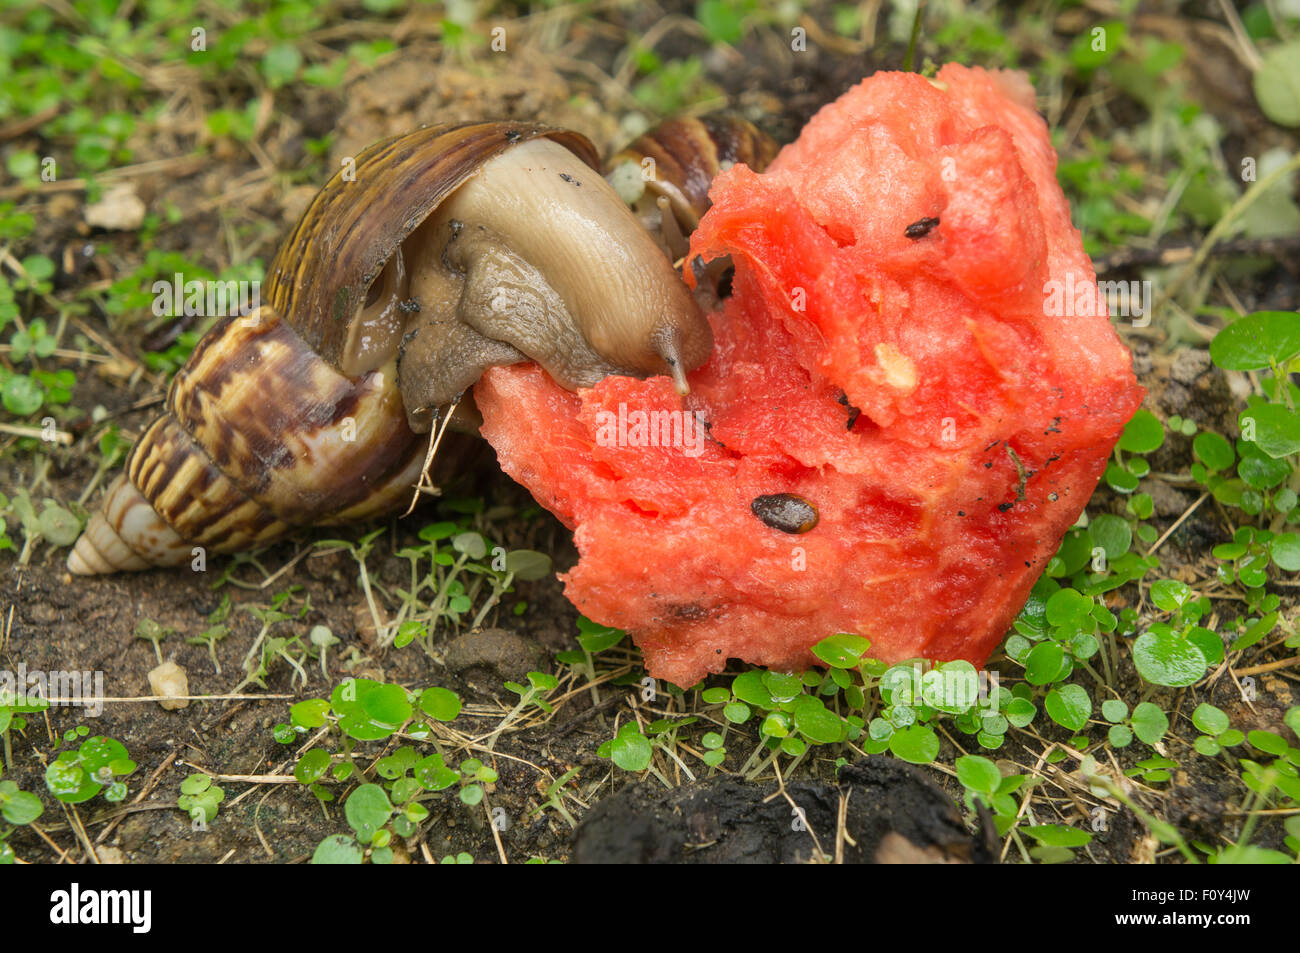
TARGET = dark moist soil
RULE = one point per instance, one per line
(53, 621)
(880, 811)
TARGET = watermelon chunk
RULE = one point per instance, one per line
(914, 346)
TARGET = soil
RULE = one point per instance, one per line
(54, 621)
(879, 811)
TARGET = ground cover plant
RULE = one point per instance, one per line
(420, 691)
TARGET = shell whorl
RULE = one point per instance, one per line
(125, 514)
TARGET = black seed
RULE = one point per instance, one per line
(853, 411)
(785, 512)
(1004, 507)
(920, 229)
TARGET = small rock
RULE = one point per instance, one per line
(41, 613)
(167, 681)
(120, 210)
(110, 855)
(503, 653)
(1190, 364)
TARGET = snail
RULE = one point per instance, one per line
(685, 155)
(449, 250)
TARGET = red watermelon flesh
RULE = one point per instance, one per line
(946, 413)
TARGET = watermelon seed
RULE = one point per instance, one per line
(785, 512)
(921, 228)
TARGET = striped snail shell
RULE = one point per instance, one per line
(449, 250)
(665, 174)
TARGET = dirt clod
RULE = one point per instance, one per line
(494, 654)
(1189, 365)
(891, 815)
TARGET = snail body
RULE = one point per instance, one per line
(451, 249)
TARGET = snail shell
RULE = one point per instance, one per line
(260, 435)
(450, 249)
(665, 174)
